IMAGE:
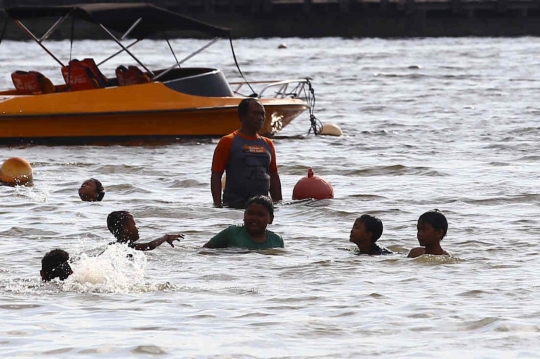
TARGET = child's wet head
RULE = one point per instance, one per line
(371, 225)
(122, 225)
(91, 190)
(264, 201)
(436, 220)
(259, 213)
(55, 265)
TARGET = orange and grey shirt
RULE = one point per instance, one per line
(247, 162)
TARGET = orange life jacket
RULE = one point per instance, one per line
(31, 82)
(131, 75)
(79, 76)
(91, 64)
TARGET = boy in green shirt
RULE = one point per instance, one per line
(259, 213)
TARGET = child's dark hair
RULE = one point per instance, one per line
(100, 190)
(436, 219)
(373, 225)
(55, 265)
(116, 221)
(262, 200)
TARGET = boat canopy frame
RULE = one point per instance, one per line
(117, 17)
(140, 21)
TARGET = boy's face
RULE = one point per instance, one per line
(130, 229)
(256, 218)
(427, 235)
(87, 192)
(360, 236)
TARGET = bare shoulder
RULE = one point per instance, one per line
(416, 252)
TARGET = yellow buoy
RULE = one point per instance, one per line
(331, 129)
(16, 171)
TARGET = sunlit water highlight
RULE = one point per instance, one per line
(429, 123)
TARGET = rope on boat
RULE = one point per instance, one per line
(253, 93)
(72, 36)
(316, 125)
(3, 30)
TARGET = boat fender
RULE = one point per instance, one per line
(331, 129)
(312, 186)
(16, 171)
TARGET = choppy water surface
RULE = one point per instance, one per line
(430, 123)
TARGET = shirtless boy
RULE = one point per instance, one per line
(432, 227)
(122, 226)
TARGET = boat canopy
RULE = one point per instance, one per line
(121, 17)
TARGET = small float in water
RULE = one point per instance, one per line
(312, 186)
(16, 171)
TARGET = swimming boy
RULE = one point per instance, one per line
(91, 190)
(259, 213)
(365, 233)
(432, 227)
(122, 226)
(55, 265)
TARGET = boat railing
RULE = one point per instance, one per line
(294, 88)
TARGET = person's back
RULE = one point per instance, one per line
(253, 234)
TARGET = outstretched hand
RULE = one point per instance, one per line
(169, 238)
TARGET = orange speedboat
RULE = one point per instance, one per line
(139, 102)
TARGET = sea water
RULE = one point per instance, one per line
(448, 123)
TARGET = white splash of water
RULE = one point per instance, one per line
(39, 195)
(119, 269)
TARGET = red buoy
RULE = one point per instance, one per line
(312, 186)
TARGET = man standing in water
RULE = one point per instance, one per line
(249, 161)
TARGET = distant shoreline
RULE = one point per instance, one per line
(395, 23)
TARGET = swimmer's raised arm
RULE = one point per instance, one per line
(169, 238)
